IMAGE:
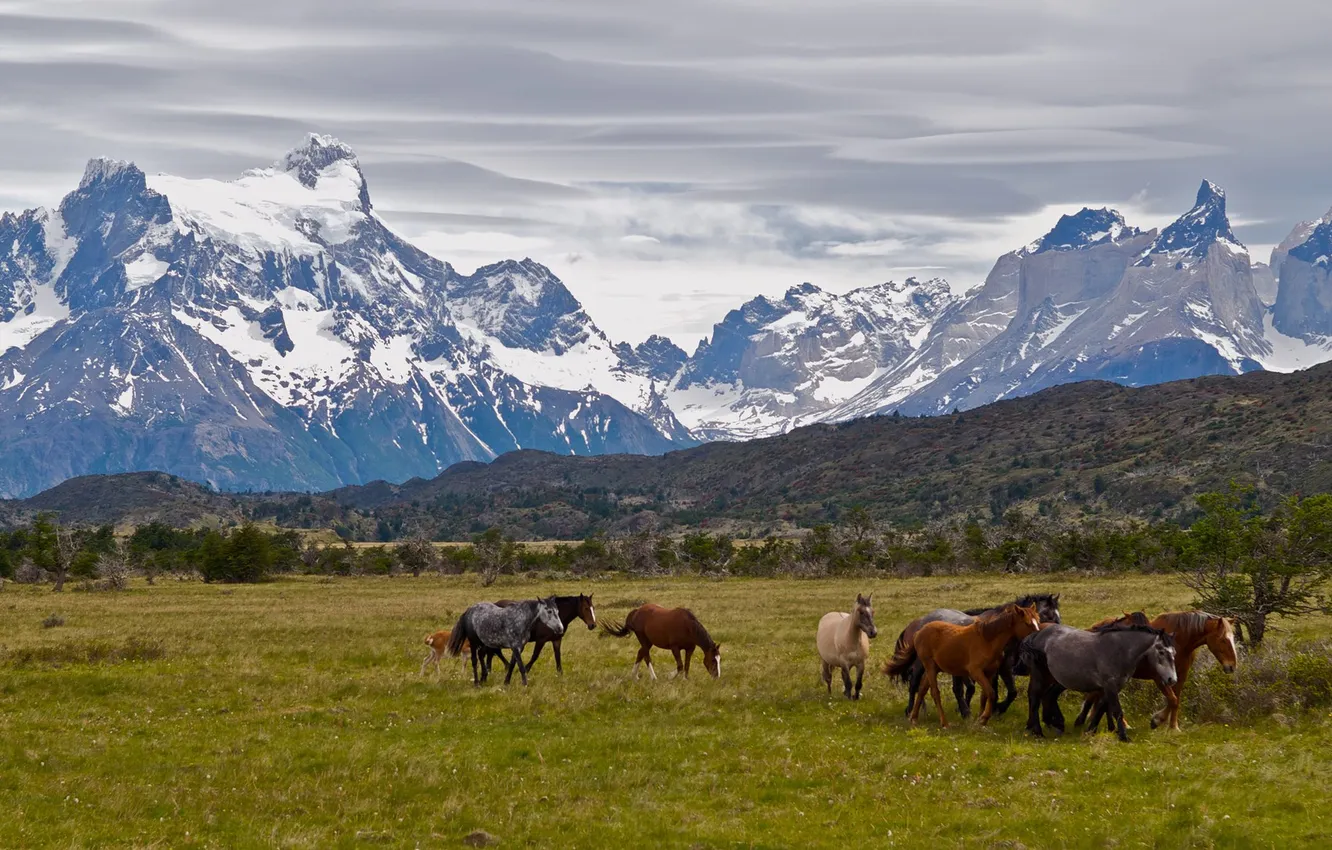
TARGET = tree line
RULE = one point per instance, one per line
(1242, 561)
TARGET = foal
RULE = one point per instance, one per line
(974, 651)
(843, 642)
(438, 643)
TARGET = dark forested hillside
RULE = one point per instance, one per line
(1081, 448)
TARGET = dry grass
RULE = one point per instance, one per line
(291, 715)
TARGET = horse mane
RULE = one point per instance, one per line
(1137, 618)
(996, 620)
(701, 636)
(1165, 636)
(1025, 601)
(1188, 623)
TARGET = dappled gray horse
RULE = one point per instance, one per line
(489, 628)
(1064, 658)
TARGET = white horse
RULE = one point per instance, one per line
(843, 641)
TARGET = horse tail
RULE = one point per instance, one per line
(904, 656)
(458, 636)
(1032, 655)
(613, 630)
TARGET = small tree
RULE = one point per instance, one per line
(417, 555)
(1251, 567)
(494, 554)
(51, 548)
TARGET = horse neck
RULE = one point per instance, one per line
(852, 626)
(701, 636)
(1002, 634)
(1187, 639)
(569, 607)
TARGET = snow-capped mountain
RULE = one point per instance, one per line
(773, 364)
(1096, 298)
(272, 332)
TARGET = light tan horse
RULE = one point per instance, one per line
(843, 641)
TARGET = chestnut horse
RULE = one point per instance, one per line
(438, 643)
(676, 629)
(1191, 631)
(974, 651)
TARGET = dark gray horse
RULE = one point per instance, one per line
(1062, 658)
(489, 628)
(1047, 606)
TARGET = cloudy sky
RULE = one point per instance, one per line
(670, 160)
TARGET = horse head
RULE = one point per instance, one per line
(548, 612)
(586, 612)
(1161, 657)
(865, 615)
(1047, 605)
(712, 660)
(1220, 636)
(1029, 620)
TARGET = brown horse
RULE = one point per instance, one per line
(438, 642)
(974, 651)
(1191, 631)
(676, 629)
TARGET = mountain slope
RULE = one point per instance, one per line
(772, 364)
(1091, 446)
(268, 332)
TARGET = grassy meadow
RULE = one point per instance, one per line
(292, 714)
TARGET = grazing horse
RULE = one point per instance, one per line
(570, 608)
(438, 643)
(1047, 605)
(1064, 658)
(488, 627)
(1191, 631)
(675, 629)
(975, 651)
(843, 641)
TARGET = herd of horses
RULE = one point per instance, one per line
(978, 648)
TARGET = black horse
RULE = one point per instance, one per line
(1047, 606)
(1062, 658)
(570, 608)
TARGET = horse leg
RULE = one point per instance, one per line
(476, 680)
(932, 676)
(914, 677)
(1094, 722)
(1054, 718)
(846, 681)
(518, 661)
(1117, 711)
(647, 656)
(1088, 700)
(555, 647)
(689, 656)
(1173, 694)
(679, 665)
(1035, 691)
(535, 652)
(922, 687)
(987, 695)
(1006, 674)
(827, 680)
(963, 698)
(642, 656)
(860, 677)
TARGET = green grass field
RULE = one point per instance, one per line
(291, 714)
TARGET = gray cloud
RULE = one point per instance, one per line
(741, 146)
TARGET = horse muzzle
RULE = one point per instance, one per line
(1171, 682)
(591, 627)
(1228, 668)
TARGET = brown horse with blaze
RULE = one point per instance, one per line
(676, 629)
(974, 651)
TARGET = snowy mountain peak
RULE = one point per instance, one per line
(316, 159)
(106, 170)
(1083, 229)
(1195, 231)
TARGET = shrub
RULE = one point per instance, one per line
(53, 621)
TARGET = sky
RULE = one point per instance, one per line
(672, 160)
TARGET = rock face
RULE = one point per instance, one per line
(1303, 306)
(772, 364)
(272, 332)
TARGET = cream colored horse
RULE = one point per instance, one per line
(843, 641)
